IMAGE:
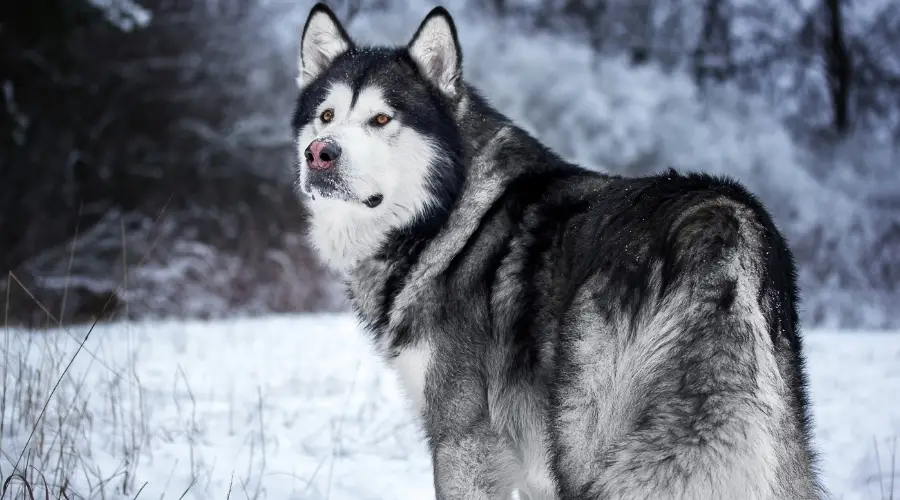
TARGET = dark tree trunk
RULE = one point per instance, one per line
(839, 67)
(712, 57)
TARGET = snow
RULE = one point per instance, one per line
(298, 406)
(124, 14)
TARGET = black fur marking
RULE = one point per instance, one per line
(727, 296)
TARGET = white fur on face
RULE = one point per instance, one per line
(322, 42)
(392, 161)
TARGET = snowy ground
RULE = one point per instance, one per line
(297, 407)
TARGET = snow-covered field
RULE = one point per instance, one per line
(298, 407)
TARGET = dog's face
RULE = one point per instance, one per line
(376, 140)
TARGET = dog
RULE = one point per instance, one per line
(561, 333)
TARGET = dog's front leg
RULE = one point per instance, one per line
(475, 463)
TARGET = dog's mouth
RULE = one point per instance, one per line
(374, 200)
(330, 184)
(336, 190)
(325, 186)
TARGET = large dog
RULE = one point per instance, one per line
(561, 333)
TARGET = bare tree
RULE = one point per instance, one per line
(876, 69)
(838, 64)
(712, 57)
(184, 120)
(637, 30)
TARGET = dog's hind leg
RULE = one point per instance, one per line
(715, 423)
(692, 401)
(475, 463)
(472, 458)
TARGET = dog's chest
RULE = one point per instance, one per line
(410, 355)
(411, 366)
(384, 310)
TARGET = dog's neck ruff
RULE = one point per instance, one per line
(480, 190)
(345, 235)
(425, 255)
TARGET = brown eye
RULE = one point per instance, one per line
(327, 115)
(381, 119)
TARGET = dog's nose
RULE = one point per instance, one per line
(322, 154)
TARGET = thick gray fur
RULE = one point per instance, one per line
(562, 332)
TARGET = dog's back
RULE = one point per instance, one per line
(678, 370)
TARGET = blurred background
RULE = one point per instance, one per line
(145, 146)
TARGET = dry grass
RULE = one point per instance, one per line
(51, 410)
(887, 470)
(46, 412)
(47, 421)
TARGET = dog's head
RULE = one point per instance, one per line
(376, 140)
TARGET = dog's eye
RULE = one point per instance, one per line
(381, 120)
(327, 115)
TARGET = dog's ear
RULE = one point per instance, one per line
(435, 49)
(322, 41)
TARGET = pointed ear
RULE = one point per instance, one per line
(323, 40)
(435, 49)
